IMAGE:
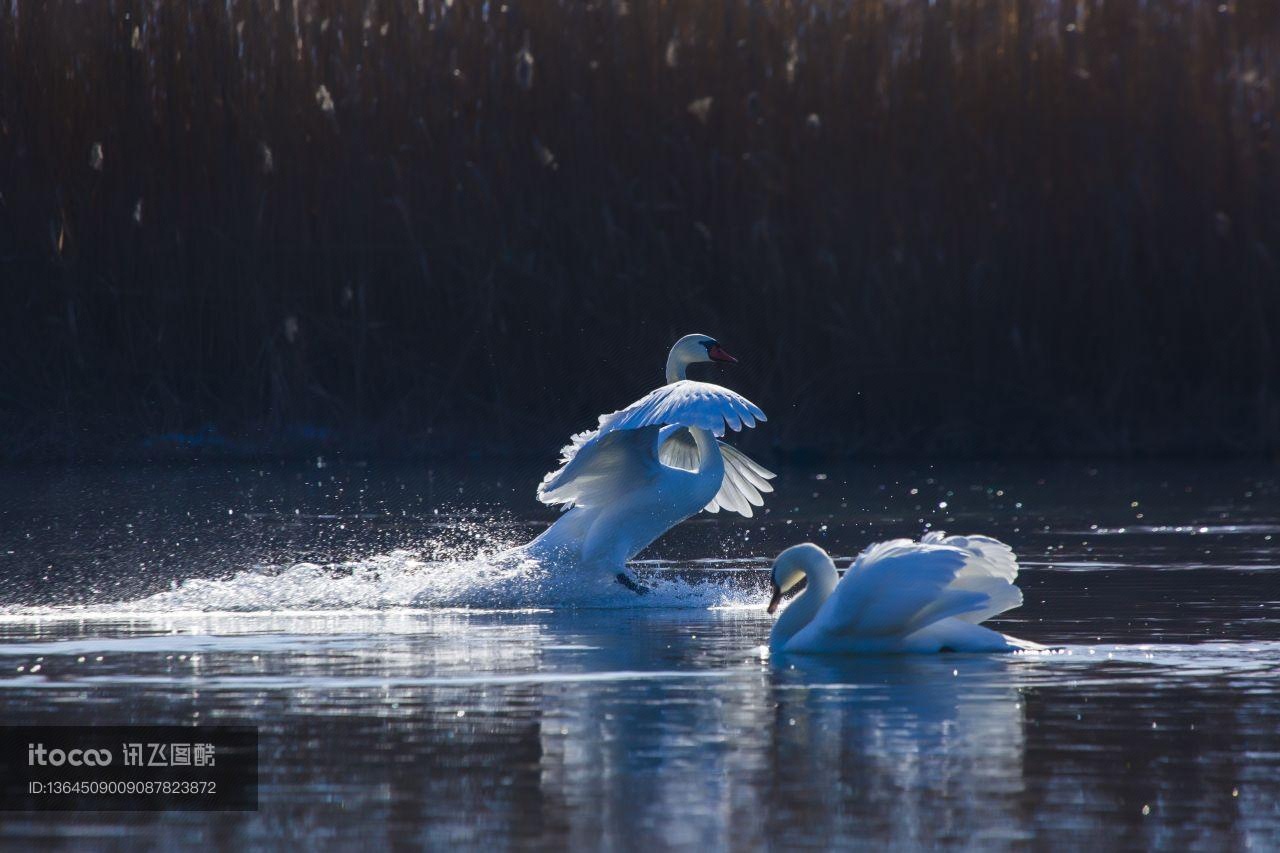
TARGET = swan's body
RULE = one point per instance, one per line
(898, 596)
(649, 466)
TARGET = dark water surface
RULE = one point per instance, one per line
(281, 597)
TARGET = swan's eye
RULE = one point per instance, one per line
(798, 588)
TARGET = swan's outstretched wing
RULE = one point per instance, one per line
(597, 469)
(744, 482)
(744, 479)
(592, 469)
(690, 404)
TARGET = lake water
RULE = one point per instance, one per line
(281, 596)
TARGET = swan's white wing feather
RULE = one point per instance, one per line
(677, 449)
(744, 478)
(904, 588)
(990, 557)
(752, 471)
(991, 568)
(593, 456)
(1000, 595)
(888, 588)
(687, 403)
(599, 468)
(744, 482)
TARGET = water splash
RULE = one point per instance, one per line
(470, 559)
(402, 579)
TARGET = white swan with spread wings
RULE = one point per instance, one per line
(649, 466)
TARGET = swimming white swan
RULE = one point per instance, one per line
(898, 596)
(649, 466)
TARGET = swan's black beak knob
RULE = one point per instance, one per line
(775, 600)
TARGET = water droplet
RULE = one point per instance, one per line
(701, 108)
(324, 100)
(524, 65)
(544, 154)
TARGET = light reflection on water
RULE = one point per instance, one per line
(573, 728)
(670, 726)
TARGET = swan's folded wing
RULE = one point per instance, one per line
(990, 568)
(897, 587)
(687, 403)
(989, 557)
(601, 467)
(744, 482)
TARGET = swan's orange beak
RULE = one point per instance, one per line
(775, 601)
(717, 353)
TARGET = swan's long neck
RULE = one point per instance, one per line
(677, 364)
(708, 450)
(821, 582)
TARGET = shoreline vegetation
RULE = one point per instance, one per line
(939, 228)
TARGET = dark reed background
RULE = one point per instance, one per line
(408, 226)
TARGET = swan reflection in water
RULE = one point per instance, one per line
(817, 751)
(899, 748)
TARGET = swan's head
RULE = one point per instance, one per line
(694, 349)
(791, 570)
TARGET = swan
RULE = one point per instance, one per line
(649, 466)
(898, 596)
